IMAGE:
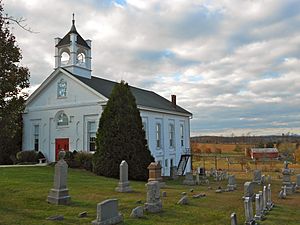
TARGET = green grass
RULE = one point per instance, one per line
(23, 194)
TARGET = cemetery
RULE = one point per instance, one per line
(80, 197)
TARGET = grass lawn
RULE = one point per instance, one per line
(23, 193)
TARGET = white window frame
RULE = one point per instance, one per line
(36, 136)
(91, 133)
(171, 135)
(182, 135)
(158, 136)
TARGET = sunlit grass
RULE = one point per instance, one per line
(23, 194)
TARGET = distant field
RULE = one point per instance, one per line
(24, 191)
(234, 152)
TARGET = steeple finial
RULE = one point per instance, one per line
(73, 28)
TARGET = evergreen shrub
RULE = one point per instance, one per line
(121, 136)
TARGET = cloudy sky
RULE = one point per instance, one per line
(234, 64)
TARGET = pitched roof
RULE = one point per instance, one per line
(143, 97)
(66, 39)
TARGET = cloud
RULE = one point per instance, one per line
(233, 64)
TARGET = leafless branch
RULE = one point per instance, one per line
(20, 22)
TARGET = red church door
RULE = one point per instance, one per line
(61, 144)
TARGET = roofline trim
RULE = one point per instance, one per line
(52, 76)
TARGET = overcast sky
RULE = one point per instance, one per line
(233, 63)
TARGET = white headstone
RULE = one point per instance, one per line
(124, 185)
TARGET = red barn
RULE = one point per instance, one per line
(260, 153)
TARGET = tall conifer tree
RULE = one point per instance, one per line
(13, 79)
(121, 136)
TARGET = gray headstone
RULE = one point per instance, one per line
(107, 213)
(189, 179)
(258, 207)
(231, 182)
(137, 212)
(263, 179)
(59, 194)
(233, 219)
(183, 201)
(270, 203)
(282, 193)
(298, 181)
(265, 198)
(124, 185)
(153, 203)
(249, 189)
(248, 211)
(174, 172)
(257, 176)
(286, 179)
(164, 194)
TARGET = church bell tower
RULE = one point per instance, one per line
(73, 53)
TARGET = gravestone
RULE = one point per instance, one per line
(137, 212)
(153, 203)
(282, 193)
(286, 172)
(265, 199)
(233, 219)
(174, 172)
(183, 201)
(257, 176)
(269, 179)
(258, 207)
(270, 203)
(123, 183)
(197, 179)
(231, 183)
(249, 190)
(59, 194)
(107, 213)
(155, 173)
(263, 179)
(261, 203)
(189, 179)
(298, 181)
(248, 211)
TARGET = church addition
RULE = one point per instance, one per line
(63, 113)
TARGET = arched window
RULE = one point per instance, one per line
(81, 58)
(62, 119)
(65, 58)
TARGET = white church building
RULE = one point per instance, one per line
(63, 113)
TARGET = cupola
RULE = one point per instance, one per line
(73, 53)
